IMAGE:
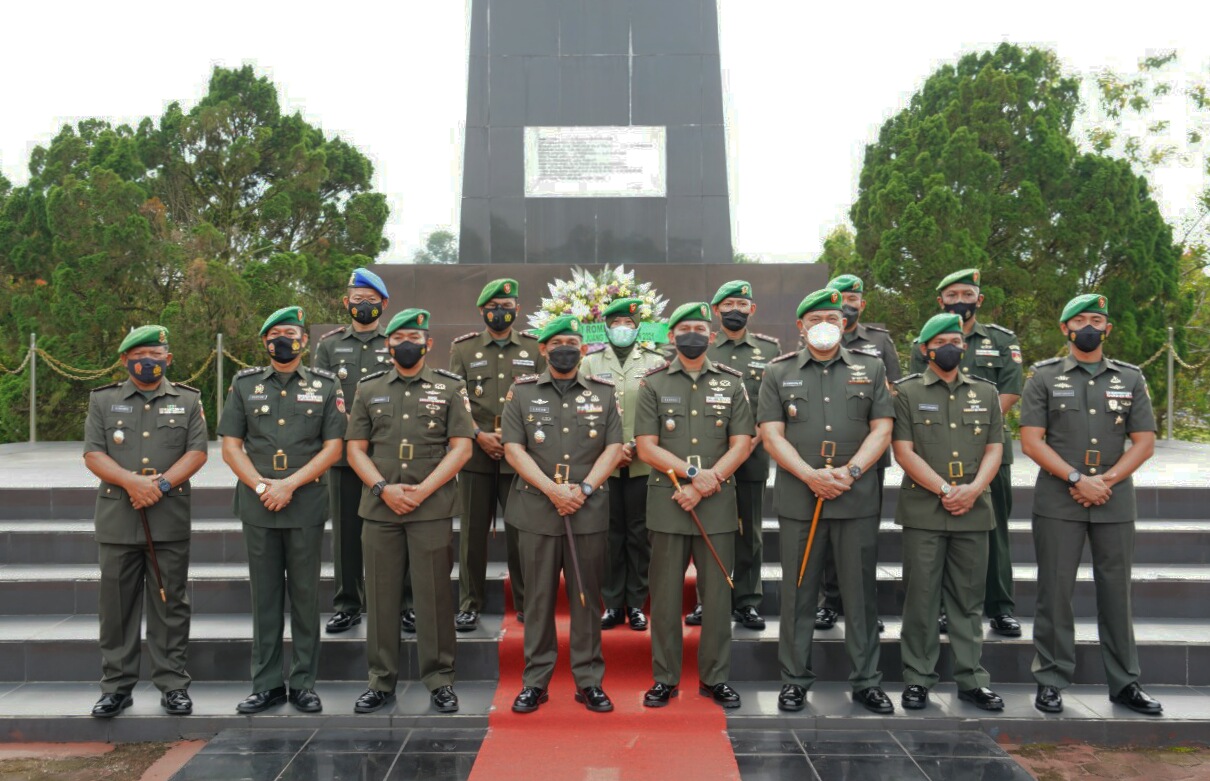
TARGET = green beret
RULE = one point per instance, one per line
(944, 323)
(820, 299)
(694, 310)
(736, 288)
(967, 276)
(287, 315)
(564, 324)
(497, 288)
(412, 319)
(1094, 303)
(847, 283)
(154, 335)
(624, 307)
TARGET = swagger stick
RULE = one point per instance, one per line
(571, 541)
(706, 537)
(155, 563)
(810, 539)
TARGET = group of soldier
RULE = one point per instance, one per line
(614, 466)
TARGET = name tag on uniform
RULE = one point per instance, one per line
(432, 400)
(791, 383)
(1064, 393)
(310, 398)
(756, 365)
(985, 353)
(343, 350)
(380, 400)
(382, 350)
(670, 399)
(172, 409)
(1119, 394)
(543, 410)
(121, 408)
(720, 399)
(606, 375)
(478, 364)
(929, 407)
(258, 397)
(522, 362)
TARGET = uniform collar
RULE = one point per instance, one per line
(425, 374)
(486, 338)
(979, 329)
(805, 357)
(362, 336)
(721, 338)
(165, 388)
(1071, 364)
(932, 378)
(675, 366)
(302, 371)
(580, 379)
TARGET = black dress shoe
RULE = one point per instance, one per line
(943, 624)
(372, 700)
(881, 626)
(914, 697)
(1137, 700)
(612, 617)
(721, 693)
(520, 616)
(176, 702)
(306, 700)
(111, 705)
(466, 621)
(595, 699)
(342, 622)
(825, 618)
(638, 621)
(407, 621)
(983, 698)
(444, 699)
(658, 695)
(1049, 699)
(792, 697)
(529, 699)
(874, 699)
(749, 617)
(1005, 624)
(694, 618)
(255, 703)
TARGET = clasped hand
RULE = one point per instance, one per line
(1091, 490)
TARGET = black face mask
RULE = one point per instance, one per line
(284, 349)
(851, 314)
(563, 359)
(366, 312)
(408, 354)
(947, 356)
(735, 320)
(692, 345)
(498, 319)
(146, 370)
(1087, 339)
(963, 309)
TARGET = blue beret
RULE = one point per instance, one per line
(362, 277)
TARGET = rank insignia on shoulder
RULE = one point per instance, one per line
(877, 329)
(186, 387)
(908, 377)
(448, 373)
(526, 379)
(783, 357)
(103, 387)
(724, 367)
(1001, 329)
(1046, 362)
(1123, 363)
(602, 380)
(766, 338)
(596, 348)
(372, 376)
(529, 335)
(464, 337)
(659, 368)
(324, 373)
(333, 332)
(249, 370)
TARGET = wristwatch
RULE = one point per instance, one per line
(586, 487)
(478, 431)
(261, 488)
(854, 471)
(164, 485)
(692, 471)
(378, 487)
(945, 489)
(1074, 477)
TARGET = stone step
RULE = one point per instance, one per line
(64, 648)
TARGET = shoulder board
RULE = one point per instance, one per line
(526, 379)
(909, 377)
(324, 373)
(728, 369)
(448, 373)
(783, 357)
(877, 329)
(333, 332)
(464, 337)
(529, 335)
(249, 370)
(1047, 362)
(1123, 363)
(372, 376)
(863, 350)
(596, 348)
(659, 368)
(981, 379)
(186, 387)
(1002, 329)
(766, 338)
(651, 350)
(602, 380)
(103, 387)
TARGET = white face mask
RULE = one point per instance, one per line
(823, 336)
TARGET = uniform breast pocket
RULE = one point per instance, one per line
(794, 408)
(171, 431)
(432, 418)
(926, 430)
(672, 423)
(989, 359)
(977, 425)
(309, 417)
(1061, 407)
(117, 434)
(381, 418)
(858, 400)
(261, 419)
(537, 434)
(718, 419)
(1118, 411)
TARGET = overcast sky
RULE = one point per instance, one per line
(807, 85)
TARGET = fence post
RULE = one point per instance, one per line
(33, 388)
(218, 389)
(1171, 373)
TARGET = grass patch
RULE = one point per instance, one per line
(127, 761)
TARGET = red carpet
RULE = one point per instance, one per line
(563, 740)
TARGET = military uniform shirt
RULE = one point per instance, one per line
(992, 353)
(571, 428)
(875, 341)
(1088, 419)
(284, 421)
(603, 363)
(408, 422)
(693, 418)
(352, 356)
(826, 409)
(949, 428)
(143, 430)
(749, 355)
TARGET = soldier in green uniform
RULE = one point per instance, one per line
(992, 353)
(400, 425)
(693, 418)
(144, 438)
(563, 435)
(625, 362)
(1076, 418)
(826, 416)
(872, 340)
(947, 439)
(352, 352)
(490, 360)
(282, 428)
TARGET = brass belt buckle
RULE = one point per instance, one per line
(827, 449)
(694, 461)
(280, 462)
(562, 474)
(956, 470)
(147, 470)
(407, 452)
(1092, 458)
